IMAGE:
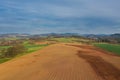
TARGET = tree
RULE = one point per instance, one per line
(14, 50)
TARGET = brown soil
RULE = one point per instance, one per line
(102, 68)
(58, 62)
(90, 47)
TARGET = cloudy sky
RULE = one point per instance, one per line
(60, 16)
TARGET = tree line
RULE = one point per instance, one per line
(13, 51)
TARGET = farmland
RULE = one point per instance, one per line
(64, 58)
(114, 48)
(30, 48)
(59, 40)
(63, 61)
(33, 46)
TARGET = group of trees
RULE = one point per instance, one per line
(10, 42)
(109, 40)
(13, 51)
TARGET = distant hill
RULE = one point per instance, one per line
(117, 35)
(14, 36)
(100, 37)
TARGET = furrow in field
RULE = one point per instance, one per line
(102, 68)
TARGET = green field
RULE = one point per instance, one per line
(4, 47)
(109, 47)
(30, 48)
(65, 40)
(4, 60)
(70, 40)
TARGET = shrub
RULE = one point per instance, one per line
(14, 50)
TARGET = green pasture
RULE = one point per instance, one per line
(30, 48)
(109, 47)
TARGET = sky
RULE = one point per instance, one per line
(60, 16)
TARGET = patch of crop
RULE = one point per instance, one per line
(109, 47)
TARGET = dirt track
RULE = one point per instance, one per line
(59, 62)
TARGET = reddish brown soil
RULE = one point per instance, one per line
(102, 68)
(90, 47)
(59, 62)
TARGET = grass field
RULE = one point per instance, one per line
(4, 60)
(65, 40)
(70, 40)
(33, 47)
(109, 47)
(30, 48)
(4, 47)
